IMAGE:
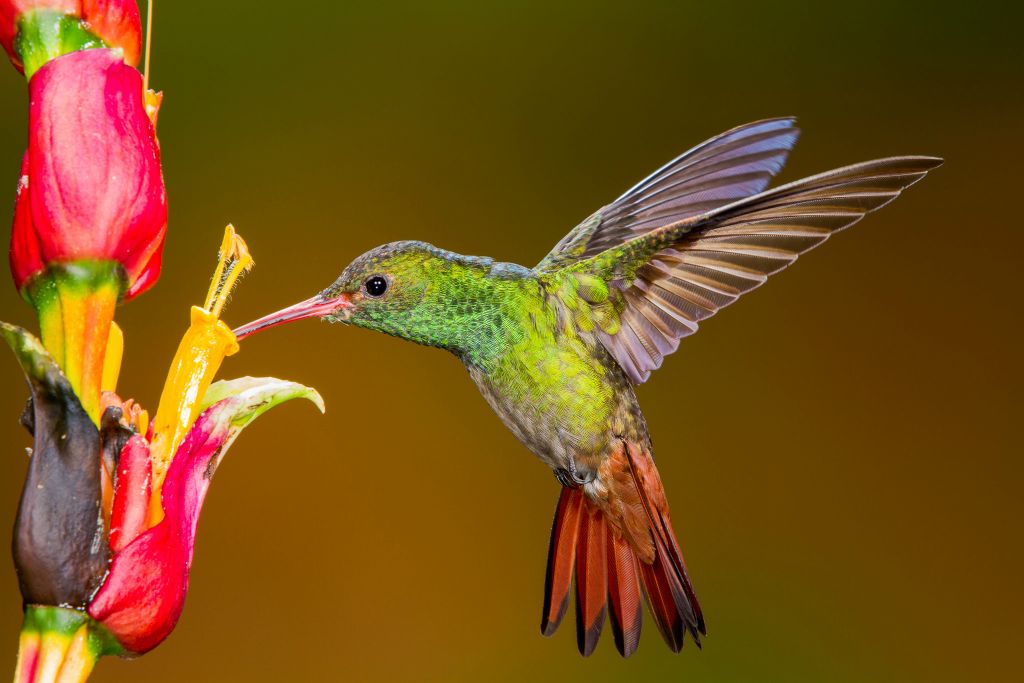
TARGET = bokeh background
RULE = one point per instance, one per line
(839, 449)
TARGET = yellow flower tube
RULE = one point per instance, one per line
(207, 342)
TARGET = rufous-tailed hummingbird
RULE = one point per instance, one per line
(556, 349)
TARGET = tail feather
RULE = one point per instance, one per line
(668, 568)
(681, 580)
(591, 578)
(561, 559)
(663, 605)
(627, 607)
(594, 540)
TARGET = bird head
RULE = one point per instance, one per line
(406, 289)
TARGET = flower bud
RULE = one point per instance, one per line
(91, 187)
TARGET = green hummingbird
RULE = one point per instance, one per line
(557, 349)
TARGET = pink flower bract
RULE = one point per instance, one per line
(91, 185)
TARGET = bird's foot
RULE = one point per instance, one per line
(570, 476)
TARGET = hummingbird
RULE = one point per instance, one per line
(556, 350)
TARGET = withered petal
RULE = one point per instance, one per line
(114, 435)
(60, 549)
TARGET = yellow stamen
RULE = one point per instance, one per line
(201, 351)
(112, 362)
(234, 262)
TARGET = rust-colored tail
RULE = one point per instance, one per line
(610, 571)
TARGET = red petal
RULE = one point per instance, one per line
(145, 590)
(144, 593)
(150, 273)
(118, 23)
(26, 259)
(132, 494)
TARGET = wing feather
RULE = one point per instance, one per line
(673, 277)
(736, 164)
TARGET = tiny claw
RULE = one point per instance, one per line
(570, 477)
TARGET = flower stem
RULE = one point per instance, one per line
(60, 645)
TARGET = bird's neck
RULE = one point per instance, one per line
(472, 308)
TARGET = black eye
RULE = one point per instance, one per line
(376, 286)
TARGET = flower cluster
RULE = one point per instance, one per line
(107, 520)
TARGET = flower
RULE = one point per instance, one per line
(91, 210)
(142, 598)
(91, 188)
(34, 31)
(108, 516)
(106, 524)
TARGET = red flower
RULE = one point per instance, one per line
(109, 556)
(144, 592)
(106, 524)
(115, 22)
(91, 186)
(107, 521)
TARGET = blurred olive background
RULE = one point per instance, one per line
(837, 448)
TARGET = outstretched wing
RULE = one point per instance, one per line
(663, 283)
(736, 164)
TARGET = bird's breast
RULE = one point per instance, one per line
(557, 392)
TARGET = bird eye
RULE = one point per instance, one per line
(376, 286)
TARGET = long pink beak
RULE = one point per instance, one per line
(310, 308)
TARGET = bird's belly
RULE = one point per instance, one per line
(559, 403)
(543, 436)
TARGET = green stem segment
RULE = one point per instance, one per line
(75, 305)
(60, 645)
(46, 34)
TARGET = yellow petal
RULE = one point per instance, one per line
(201, 351)
(200, 354)
(112, 361)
